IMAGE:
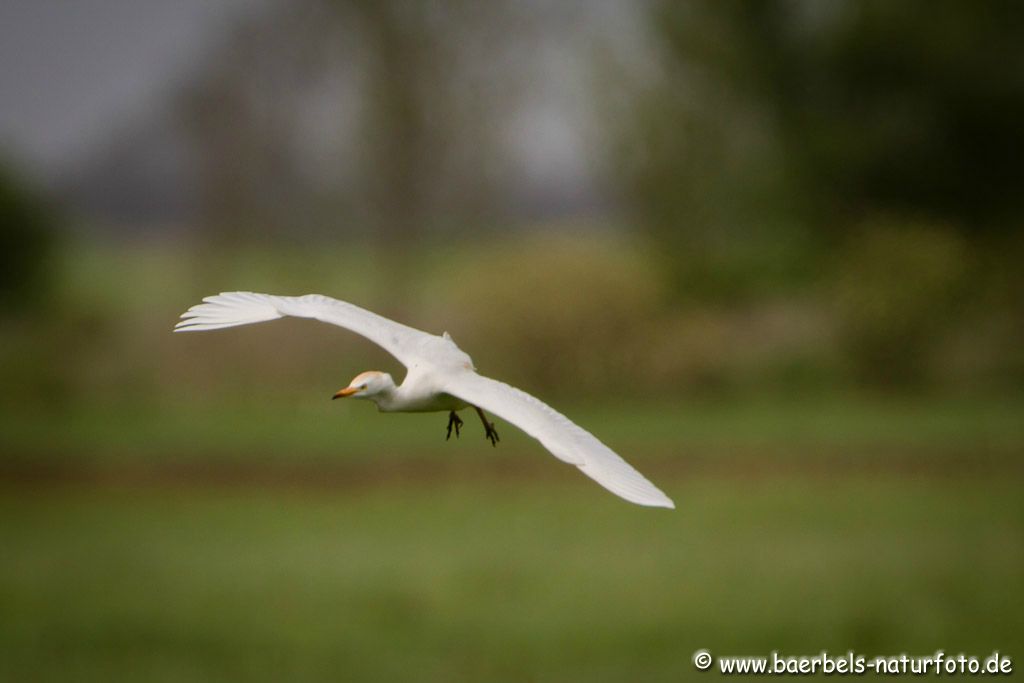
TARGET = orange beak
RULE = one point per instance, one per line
(347, 391)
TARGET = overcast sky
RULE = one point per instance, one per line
(70, 70)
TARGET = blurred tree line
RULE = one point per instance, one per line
(810, 195)
(404, 99)
(870, 149)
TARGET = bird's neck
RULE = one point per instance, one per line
(388, 399)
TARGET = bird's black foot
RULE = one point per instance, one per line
(453, 421)
(489, 431)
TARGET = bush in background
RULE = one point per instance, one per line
(563, 315)
(898, 289)
(28, 227)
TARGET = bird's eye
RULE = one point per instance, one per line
(362, 388)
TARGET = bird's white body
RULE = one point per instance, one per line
(418, 393)
(440, 377)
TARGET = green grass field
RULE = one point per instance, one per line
(195, 508)
(513, 582)
(883, 529)
(310, 428)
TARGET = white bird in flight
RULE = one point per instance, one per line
(440, 377)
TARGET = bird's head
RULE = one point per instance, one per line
(367, 384)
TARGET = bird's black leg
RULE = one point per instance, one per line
(489, 431)
(453, 421)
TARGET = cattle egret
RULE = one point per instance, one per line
(441, 377)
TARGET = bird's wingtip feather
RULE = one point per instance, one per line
(659, 501)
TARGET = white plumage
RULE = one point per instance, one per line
(440, 377)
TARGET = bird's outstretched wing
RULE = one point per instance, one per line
(560, 435)
(229, 309)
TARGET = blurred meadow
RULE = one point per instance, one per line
(767, 251)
